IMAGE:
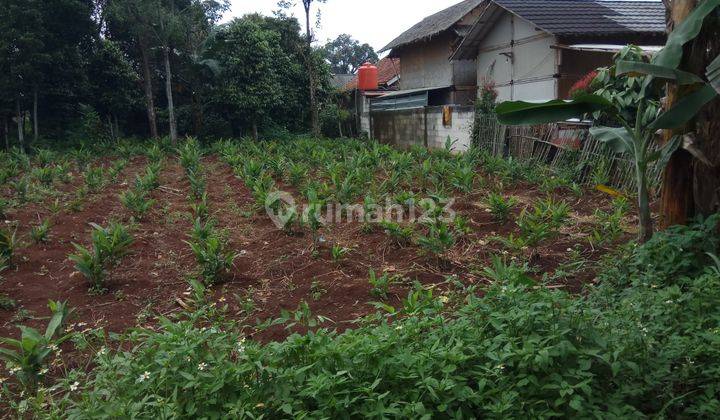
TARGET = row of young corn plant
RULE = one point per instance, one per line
(208, 244)
(108, 245)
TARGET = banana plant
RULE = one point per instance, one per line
(636, 138)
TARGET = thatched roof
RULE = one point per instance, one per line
(434, 25)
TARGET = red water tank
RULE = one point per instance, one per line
(368, 77)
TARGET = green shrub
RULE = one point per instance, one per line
(28, 356)
(513, 352)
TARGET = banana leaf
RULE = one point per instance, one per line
(686, 31)
(617, 138)
(531, 113)
(713, 74)
(685, 109)
(634, 69)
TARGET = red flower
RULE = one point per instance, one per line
(583, 85)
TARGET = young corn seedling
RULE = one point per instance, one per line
(201, 208)
(149, 181)
(109, 245)
(29, 355)
(534, 228)
(312, 218)
(463, 178)
(94, 178)
(556, 213)
(8, 243)
(155, 153)
(338, 252)
(44, 175)
(39, 233)
(400, 234)
(213, 258)
(440, 238)
(201, 230)
(21, 187)
(501, 207)
(116, 168)
(190, 155)
(297, 174)
(137, 202)
(197, 182)
(380, 286)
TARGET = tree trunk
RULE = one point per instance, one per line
(112, 129)
(196, 99)
(690, 187)
(676, 196)
(147, 83)
(255, 130)
(340, 128)
(6, 131)
(117, 126)
(20, 125)
(314, 112)
(168, 92)
(35, 114)
(706, 179)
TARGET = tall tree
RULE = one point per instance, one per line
(113, 83)
(133, 16)
(314, 108)
(22, 46)
(346, 54)
(691, 181)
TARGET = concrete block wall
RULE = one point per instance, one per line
(424, 127)
(458, 131)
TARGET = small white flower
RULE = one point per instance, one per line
(103, 351)
(144, 376)
(74, 386)
(399, 327)
(444, 299)
(202, 366)
(669, 302)
(241, 346)
(569, 250)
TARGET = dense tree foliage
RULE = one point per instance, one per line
(151, 68)
(346, 54)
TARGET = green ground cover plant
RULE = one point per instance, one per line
(643, 342)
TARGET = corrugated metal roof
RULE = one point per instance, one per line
(435, 24)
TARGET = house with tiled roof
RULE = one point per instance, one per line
(538, 49)
(426, 74)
